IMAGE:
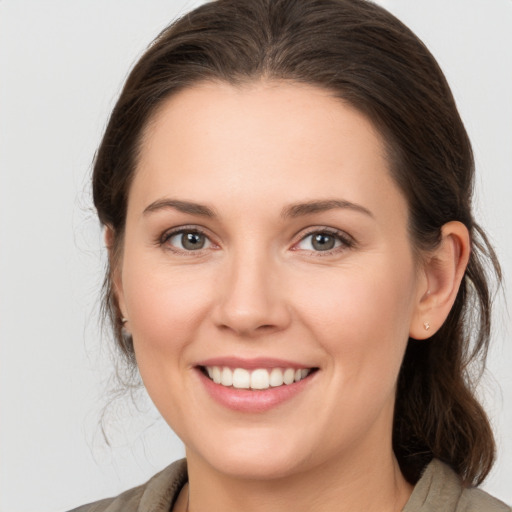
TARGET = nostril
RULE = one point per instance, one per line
(251, 312)
(249, 330)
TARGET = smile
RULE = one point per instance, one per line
(257, 379)
(255, 385)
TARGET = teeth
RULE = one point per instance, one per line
(276, 377)
(261, 378)
(226, 377)
(241, 379)
(289, 375)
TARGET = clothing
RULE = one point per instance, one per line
(438, 490)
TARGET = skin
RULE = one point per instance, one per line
(259, 288)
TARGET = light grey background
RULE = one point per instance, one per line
(62, 64)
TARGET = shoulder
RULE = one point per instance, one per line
(157, 494)
(440, 490)
(476, 500)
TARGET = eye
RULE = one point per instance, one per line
(187, 240)
(323, 241)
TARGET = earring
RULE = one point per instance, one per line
(426, 325)
(124, 331)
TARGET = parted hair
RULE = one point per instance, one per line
(370, 60)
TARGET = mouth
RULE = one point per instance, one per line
(257, 379)
(256, 385)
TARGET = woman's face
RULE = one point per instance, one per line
(266, 241)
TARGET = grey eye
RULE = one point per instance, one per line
(189, 240)
(321, 241)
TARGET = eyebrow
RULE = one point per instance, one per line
(182, 206)
(310, 207)
(291, 211)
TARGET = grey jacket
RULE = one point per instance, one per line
(438, 490)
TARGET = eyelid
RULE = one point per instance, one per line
(193, 228)
(347, 241)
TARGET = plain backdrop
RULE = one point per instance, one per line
(62, 64)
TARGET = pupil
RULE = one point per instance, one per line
(323, 242)
(192, 241)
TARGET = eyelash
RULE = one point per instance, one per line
(193, 230)
(346, 241)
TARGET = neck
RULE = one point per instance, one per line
(373, 484)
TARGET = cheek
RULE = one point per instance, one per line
(361, 314)
(164, 305)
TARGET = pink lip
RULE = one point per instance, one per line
(252, 401)
(251, 364)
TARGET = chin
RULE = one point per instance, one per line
(263, 466)
(258, 457)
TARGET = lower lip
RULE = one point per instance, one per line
(253, 401)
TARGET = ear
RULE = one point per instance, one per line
(114, 259)
(443, 269)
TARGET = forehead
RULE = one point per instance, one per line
(259, 106)
(261, 141)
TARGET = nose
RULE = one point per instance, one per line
(252, 297)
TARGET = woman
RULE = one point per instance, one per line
(295, 270)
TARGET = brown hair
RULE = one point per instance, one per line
(368, 58)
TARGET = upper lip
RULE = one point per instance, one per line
(252, 363)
